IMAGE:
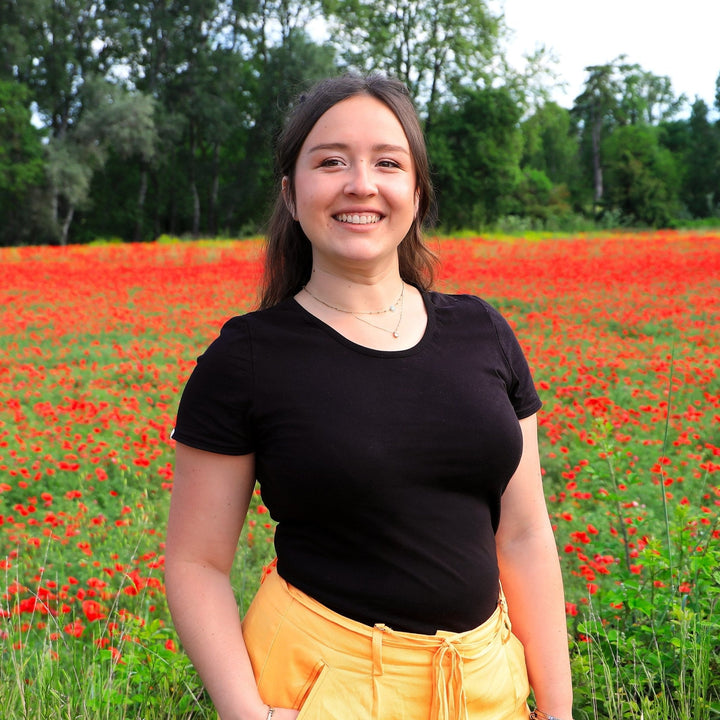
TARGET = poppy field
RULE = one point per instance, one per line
(622, 332)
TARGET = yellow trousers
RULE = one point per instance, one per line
(329, 667)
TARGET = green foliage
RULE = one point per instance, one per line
(142, 676)
(146, 677)
(161, 117)
(70, 168)
(647, 646)
(550, 143)
(113, 119)
(642, 177)
(659, 650)
(20, 146)
(646, 99)
(475, 149)
(701, 189)
(56, 55)
(435, 47)
(539, 200)
(165, 239)
(115, 240)
(120, 663)
(21, 164)
(116, 119)
(618, 94)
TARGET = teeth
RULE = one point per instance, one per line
(356, 219)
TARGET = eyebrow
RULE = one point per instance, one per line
(381, 147)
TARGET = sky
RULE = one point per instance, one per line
(677, 38)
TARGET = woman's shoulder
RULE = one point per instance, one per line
(463, 303)
(474, 311)
(241, 327)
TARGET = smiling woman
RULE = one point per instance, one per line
(355, 199)
(392, 430)
(289, 257)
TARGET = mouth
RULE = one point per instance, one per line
(358, 218)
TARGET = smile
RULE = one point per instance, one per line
(357, 219)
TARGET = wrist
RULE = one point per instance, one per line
(540, 715)
(258, 712)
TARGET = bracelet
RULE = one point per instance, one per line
(271, 712)
(540, 715)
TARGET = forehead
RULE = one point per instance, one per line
(358, 119)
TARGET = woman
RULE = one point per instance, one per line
(393, 432)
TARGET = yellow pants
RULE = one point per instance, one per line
(329, 667)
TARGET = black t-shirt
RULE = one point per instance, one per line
(383, 469)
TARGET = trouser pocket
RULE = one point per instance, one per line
(310, 694)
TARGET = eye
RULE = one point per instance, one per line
(330, 162)
(389, 164)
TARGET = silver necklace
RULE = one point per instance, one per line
(397, 305)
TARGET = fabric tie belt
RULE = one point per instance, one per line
(451, 652)
(450, 701)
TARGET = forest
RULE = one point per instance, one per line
(129, 121)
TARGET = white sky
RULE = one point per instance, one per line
(677, 38)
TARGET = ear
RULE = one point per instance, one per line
(289, 204)
(417, 201)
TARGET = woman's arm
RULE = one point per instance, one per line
(210, 498)
(531, 579)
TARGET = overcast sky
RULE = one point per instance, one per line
(677, 38)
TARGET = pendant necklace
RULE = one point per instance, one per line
(397, 306)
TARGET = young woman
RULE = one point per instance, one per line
(393, 433)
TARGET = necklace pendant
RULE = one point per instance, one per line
(396, 334)
(391, 308)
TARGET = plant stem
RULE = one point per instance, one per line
(662, 471)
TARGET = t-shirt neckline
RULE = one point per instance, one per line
(364, 349)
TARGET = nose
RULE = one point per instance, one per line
(360, 181)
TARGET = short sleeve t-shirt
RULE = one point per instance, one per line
(383, 469)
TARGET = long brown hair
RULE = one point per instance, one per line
(288, 253)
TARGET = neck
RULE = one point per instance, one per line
(357, 293)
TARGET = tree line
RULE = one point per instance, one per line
(133, 120)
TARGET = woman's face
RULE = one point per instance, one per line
(355, 189)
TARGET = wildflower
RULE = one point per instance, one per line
(93, 610)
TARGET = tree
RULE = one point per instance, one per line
(595, 111)
(115, 119)
(21, 163)
(435, 46)
(475, 147)
(551, 144)
(57, 55)
(172, 53)
(57, 52)
(618, 94)
(646, 98)
(643, 180)
(539, 198)
(701, 186)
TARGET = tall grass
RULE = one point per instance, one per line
(651, 651)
